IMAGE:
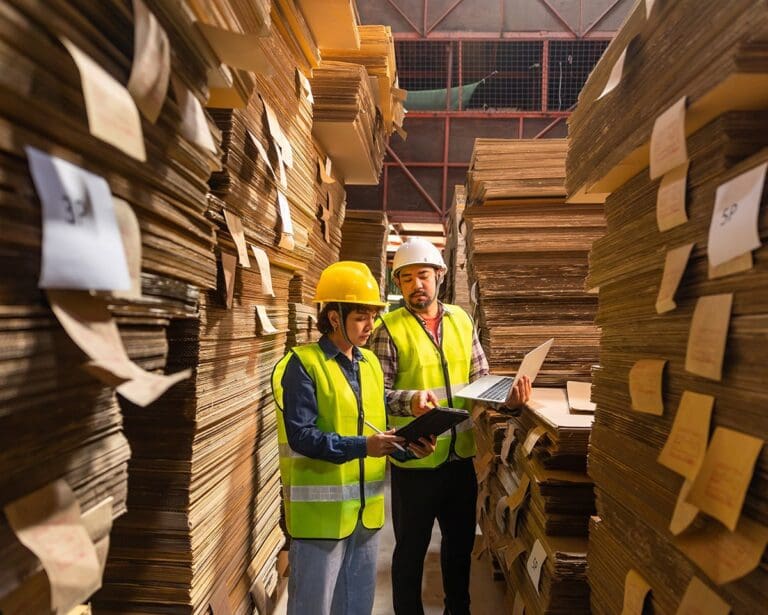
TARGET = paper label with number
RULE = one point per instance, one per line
(733, 230)
(536, 562)
(82, 244)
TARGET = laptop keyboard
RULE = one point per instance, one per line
(499, 391)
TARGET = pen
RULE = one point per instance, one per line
(377, 430)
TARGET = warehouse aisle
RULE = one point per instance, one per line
(487, 594)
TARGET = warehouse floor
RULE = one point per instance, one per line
(487, 594)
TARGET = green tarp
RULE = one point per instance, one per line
(431, 100)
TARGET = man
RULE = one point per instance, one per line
(428, 351)
(330, 411)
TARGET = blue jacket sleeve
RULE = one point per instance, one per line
(300, 413)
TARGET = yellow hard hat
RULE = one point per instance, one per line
(348, 282)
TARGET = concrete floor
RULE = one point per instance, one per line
(487, 595)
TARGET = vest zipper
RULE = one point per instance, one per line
(446, 377)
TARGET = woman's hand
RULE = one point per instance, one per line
(423, 447)
(382, 444)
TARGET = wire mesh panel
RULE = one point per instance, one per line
(494, 75)
(423, 66)
(570, 63)
(506, 74)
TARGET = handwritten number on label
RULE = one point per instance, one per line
(76, 209)
(728, 213)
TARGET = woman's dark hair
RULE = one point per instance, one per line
(324, 323)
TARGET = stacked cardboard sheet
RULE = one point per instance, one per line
(377, 54)
(677, 451)
(527, 251)
(204, 522)
(536, 499)
(302, 324)
(364, 239)
(346, 121)
(627, 444)
(456, 284)
(64, 450)
(647, 65)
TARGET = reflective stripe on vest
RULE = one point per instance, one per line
(325, 499)
(420, 366)
(332, 493)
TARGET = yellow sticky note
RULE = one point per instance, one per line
(506, 445)
(686, 445)
(219, 603)
(112, 114)
(532, 438)
(645, 386)
(48, 523)
(235, 227)
(267, 328)
(737, 265)
(615, 77)
(674, 267)
(668, 148)
(723, 555)
(636, 588)
(130, 231)
(262, 260)
(708, 335)
(684, 513)
(721, 484)
(151, 69)
(516, 499)
(670, 199)
(513, 551)
(229, 267)
(194, 125)
(698, 599)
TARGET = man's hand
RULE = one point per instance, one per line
(382, 444)
(420, 402)
(423, 447)
(519, 394)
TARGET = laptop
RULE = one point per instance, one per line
(494, 389)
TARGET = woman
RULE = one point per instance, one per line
(330, 396)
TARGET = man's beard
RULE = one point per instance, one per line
(420, 303)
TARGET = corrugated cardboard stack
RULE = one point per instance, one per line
(716, 62)
(202, 529)
(62, 426)
(527, 251)
(213, 538)
(364, 239)
(677, 449)
(377, 54)
(536, 499)
(457, 281)
(347, 122)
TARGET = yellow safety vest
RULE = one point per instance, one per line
(324, 499)
(444, 369)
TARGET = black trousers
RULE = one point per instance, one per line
(448, 494)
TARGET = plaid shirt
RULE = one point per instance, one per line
(399, 401)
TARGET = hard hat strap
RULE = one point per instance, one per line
(343, 319)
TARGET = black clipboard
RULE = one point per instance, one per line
(432, 423)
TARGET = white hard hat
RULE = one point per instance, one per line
(417, 251)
